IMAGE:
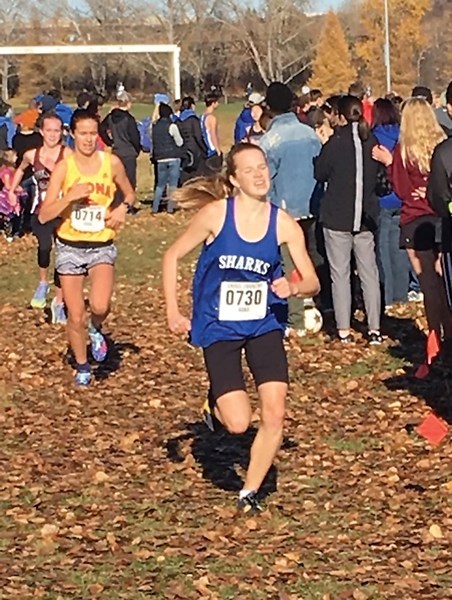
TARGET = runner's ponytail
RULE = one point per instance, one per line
(201, 190)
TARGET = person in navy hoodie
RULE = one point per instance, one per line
(393, 260)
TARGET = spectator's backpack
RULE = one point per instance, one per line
(144, 128)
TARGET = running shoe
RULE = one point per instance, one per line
(99, 347)
(414, 296)
(249, 504)
(58, 313)
(375, 338)
(291, 332)
(83, 378)
(39, 299)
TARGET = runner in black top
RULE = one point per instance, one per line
(42, 161)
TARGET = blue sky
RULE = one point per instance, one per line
(316, 5)
(323, 5)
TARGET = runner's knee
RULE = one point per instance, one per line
(99, 307)
(272, 415)
(77, 318)
(236, 424)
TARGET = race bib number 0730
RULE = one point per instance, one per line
(243, 301)
(88, 218)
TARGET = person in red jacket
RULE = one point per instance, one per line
(409, 169)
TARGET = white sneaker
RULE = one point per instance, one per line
(291, 332)
(414, 296)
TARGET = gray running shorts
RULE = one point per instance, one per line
(72, 260)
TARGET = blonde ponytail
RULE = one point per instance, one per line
(199, 191)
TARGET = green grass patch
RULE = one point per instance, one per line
(352, 445)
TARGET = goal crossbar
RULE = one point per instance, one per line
(172, 49)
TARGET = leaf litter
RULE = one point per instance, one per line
(120, 491)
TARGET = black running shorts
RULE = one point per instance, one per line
(264, 354)
(419, 234)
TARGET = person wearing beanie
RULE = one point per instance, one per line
(27, 137)
(290, 147)
(421, 91)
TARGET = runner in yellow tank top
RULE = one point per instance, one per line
(81, 191)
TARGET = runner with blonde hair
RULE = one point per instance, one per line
(409, 169)
(238, 292)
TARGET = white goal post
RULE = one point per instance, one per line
(172, 49)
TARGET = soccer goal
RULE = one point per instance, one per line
(171, 49)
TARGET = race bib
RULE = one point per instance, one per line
(88, 218)
(243, 301)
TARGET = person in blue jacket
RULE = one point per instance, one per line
(393, 261)
(245, 118)
(7, 126)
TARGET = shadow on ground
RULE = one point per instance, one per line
(222, 456)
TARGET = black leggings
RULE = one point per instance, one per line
(45, 233)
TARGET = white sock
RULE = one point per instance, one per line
(244, 493)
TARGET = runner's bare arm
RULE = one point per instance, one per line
(27, 160)
(212, 126)
(206, 223)
(290, 233)
(117, 214)
(54, 204)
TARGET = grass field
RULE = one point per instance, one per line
(119, 492)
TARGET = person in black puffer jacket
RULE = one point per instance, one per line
(194, 161)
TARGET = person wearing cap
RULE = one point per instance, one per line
(255, 131)
(119, 130)
(291, 147)
(245, 120)
(421, 91)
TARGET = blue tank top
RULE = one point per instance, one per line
(206, 137)
(232, 298)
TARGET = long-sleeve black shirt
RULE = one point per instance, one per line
(439, 191)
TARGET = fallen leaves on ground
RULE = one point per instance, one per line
(120, 492)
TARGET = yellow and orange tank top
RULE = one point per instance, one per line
(84, 221)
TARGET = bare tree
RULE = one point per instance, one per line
(12, 31)
(275, 35)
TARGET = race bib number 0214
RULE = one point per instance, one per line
(243, 301)
(88, 218)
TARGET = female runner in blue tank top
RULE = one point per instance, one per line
(238, 290)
